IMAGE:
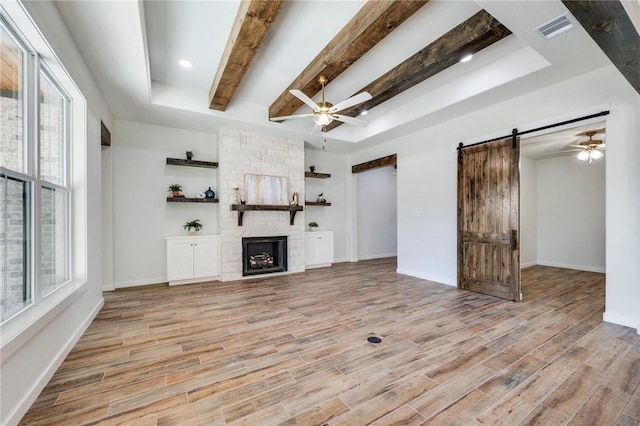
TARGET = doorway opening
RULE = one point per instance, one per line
(376, 208)
(562, 200)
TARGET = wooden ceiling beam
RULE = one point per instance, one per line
(609, 25)
(252, 22)
(471, 36)
(389, 160)
(373, 22)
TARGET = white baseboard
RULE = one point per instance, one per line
(377, 256)
(108, 287)
(19, 412)
(195, 280)
(136, 283)
(576, 267)
(317, 265)
(528, 264)
(434, 278)
(622, 320)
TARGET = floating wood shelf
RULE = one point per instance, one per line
(241, 208)
(317, 175)
(191, 200)
(314, 203)
(192, 163)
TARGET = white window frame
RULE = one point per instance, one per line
(40, 183)
(17, 330)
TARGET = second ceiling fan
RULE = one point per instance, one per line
(591, 149)
(325, 112)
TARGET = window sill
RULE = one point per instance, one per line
(22, 327)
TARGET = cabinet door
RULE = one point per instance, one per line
(325, 248)
(179, 259)
(206, 256)
(310, 249)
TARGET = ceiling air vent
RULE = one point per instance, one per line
(555, 27)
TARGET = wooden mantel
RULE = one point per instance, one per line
(241, 208)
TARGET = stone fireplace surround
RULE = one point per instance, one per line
(242, 152)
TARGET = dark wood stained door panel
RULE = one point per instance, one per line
(488, 216)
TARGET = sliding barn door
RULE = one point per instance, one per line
(488, 218)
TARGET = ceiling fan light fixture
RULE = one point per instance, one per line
(583, 155)
(596, 155)
(322, 118)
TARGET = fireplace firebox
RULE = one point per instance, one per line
(264, 255)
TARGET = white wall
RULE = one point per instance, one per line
(427, 199)
(107, 218)
(336, 190)
(142, 217)
(571, 213)
(377, 213)
(31, 357)
(528, 212)
(427, 180)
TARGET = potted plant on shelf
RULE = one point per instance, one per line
(313, 226)
(175, 190)
(312, 169)
(189, 155)
(193, 226)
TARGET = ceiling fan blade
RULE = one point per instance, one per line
(354, 100)
(578, 146)
(568, 150)
(304, 98)
(289, 117)
(602, 146)
(349, 120)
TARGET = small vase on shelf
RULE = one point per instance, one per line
(209, 193)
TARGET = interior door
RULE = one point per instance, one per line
(488, 218)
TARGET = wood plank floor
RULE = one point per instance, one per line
(293, 350)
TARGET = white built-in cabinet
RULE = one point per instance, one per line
(318, 249)
(193, 259)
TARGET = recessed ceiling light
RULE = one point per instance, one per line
(364, 112)
(184, 63)
(466, 58)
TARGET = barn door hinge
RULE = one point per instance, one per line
(460, 146)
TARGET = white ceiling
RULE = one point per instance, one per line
(132, 48)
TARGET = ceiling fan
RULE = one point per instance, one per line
(325, 112)
(589, 150)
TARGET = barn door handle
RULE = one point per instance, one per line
(514, 239)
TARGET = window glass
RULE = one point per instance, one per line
(12, 97)
(15, 250)
(54, 270)
(52, 132)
